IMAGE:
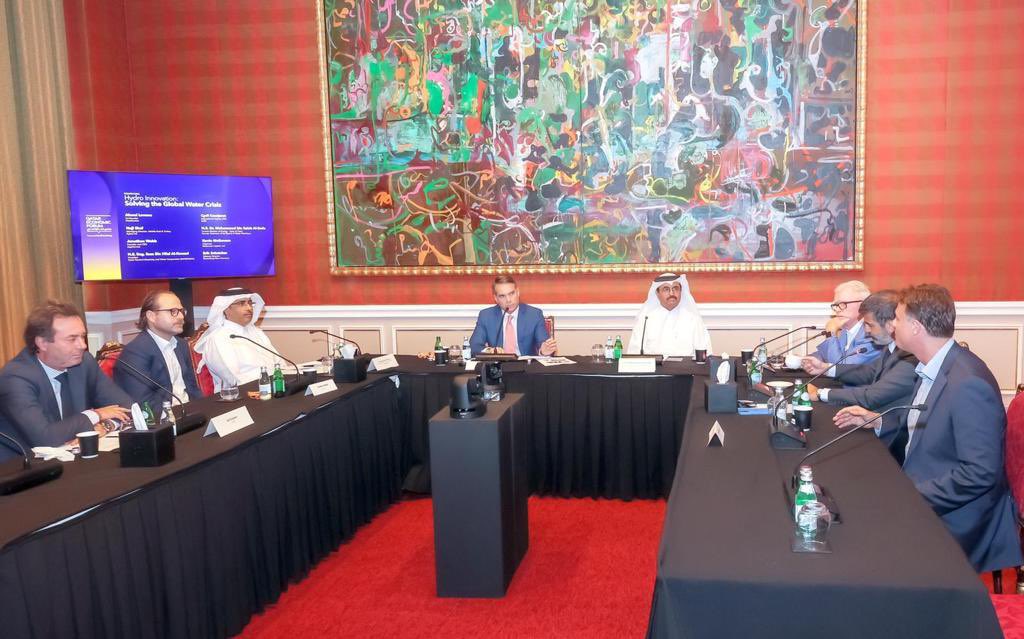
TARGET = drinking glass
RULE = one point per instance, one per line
(229, 393)
(597, 351)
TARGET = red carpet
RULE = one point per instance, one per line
(589, 573)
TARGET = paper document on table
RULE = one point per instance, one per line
(554, 361)
(109, 443)
(60, 453)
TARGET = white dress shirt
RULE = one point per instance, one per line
(52, 373)
(167, 347)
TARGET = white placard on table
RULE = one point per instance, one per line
(229, 422)
(383, 363)
(637, 364)
(320, 388)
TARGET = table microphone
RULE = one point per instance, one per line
(862, 349)
(30, 475)
(643, 335)
(344, 339)
(920, 407)
(183, 425)
(297, 386)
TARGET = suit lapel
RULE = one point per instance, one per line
(49, 399)
(934, 394)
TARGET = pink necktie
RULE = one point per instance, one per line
(510, 335)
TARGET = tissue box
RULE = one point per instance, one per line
(720, 398)
(145, 448)
(351, 370)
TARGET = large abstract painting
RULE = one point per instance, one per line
(587, 135)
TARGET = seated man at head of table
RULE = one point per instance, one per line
(510, 326)
(847, 328)
(159, 353)
(953, 449)
(669, 323)
(54, 389)
(887, 381)
(234, 361)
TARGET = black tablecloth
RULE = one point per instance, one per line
(726, 569)
(592, 432)
(195, 547)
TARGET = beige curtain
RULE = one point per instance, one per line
(36, 147)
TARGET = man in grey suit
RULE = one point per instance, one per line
(955, 448)
(53, 389)
(884, 382)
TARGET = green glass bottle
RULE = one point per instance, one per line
(278, 381)
(148, 412)
(617, 350)
(805, 493)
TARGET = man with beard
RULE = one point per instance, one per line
(234, 361)
(159, 353)
(669, 323)
(887, 381)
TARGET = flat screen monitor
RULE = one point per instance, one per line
(142, 226)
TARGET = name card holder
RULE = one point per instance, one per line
(637, 364)
(321, 387)
(229, 422)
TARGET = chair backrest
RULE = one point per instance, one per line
(108, 355)
(203, 377)
(1015, 449)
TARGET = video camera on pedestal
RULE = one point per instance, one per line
(490, 374)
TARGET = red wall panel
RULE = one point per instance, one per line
(193, 86)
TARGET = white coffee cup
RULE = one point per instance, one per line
(793, 362)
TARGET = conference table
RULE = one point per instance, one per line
(195, 547)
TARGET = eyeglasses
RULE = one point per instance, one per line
(841, 306)
(242, 303)
(174, 312)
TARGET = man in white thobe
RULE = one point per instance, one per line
(669, 323)
(235, 361)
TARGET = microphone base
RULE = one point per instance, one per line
(189, 423)
(785, 437)
(35, 474)
(298, 385)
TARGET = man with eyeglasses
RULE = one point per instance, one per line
(846, 328)
(233, 362)
(158, 352)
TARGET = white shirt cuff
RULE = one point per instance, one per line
(823, 394)
(93, 416)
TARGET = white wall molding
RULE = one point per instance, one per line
(996, 328)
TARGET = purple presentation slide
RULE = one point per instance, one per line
(141, 226)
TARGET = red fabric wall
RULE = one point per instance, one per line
(192, 86)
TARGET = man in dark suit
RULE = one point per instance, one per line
(159, 353)
(509, 326)
(53, 389)
(884, 382)
(955, 448)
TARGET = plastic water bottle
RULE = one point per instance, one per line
(167, 415)
(467, 352)
(609, 349)
(761, 355)
(266, 387)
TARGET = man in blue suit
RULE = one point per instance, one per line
(954, 449)
(53, 389)
(847, 328)
(509, 326)
(159, 353)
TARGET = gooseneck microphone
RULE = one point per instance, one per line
(862, 349)
(186, 422)
(798, 345)
(643, 335)
(344, 339)
(788, 333)
(30, 475)
(299, 384)
(269, 350)
(920, 407)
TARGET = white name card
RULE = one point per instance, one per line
(637, 364)
(229, 422)
(321, 387)
(716, 436)
(383, 363)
